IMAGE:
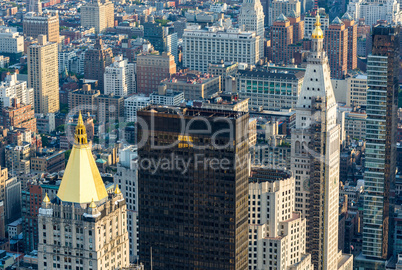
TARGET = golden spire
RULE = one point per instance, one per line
(92, 205)
(117, 190)
(81, 181)
(317, 33)
(80, 135)
(46, 199)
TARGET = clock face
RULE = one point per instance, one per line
(306, 184)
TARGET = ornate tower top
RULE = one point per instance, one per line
(317, 33)
(80, 136)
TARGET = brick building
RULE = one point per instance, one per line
(18, 115)
(336, 46)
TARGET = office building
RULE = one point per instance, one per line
(351, 25)
(127, 180)
(379, 177)
(45, 123)
(12, 88)
(43, 75)
(98, 14)
(156, 34)
(227, 71)
(132, 104)
(96, 61)
(285, 7)
(336, 46)
(202, 47)
(119, 78)
(268, 89)
(165, 96)
(12, 203)
(152, 68)
(356, 94)
(315, 159)
(251, 19)
(355, 125)
(46, 23)
(84, 226)
(50, 163)
(194, 217)
(277, 233)
(18, 115)
(11, 42)
(194, 84)
(110, 108)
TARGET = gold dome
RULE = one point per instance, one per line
(46, 199)
(317, 33)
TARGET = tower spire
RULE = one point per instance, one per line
(80, 136)
(317, 33)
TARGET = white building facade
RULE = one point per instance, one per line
(277, 234)
(373, 11)
(119, 78)
(251, 17)
(12, 88)
(132, 104)
(201, 47)
(11, 42)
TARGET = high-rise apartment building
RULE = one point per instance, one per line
(43, 75)
(336, 46)
(373, 11)
(84, 227)
(251, 17)
(315, 159)
(285, 7)
(351, 25)
(281, 38)
(133, 104)
(46, 23)
(382, 106)
(202, 47)
(98, 14)
(152, 68)
(96, 61)
(193, 217)
(119, 78)
(298, 26)
(277, 233)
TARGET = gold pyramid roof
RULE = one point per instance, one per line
(46, 199)
(81, 180)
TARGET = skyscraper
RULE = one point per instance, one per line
(351, 25)
(252, 18)
(285, 7)
(98, 14)
(96, 60)
(281, 38)
(336, 45)
(84, 227)
(119, 78)
(43, 75)
(193, 216)
(382, 105)
(315, 159)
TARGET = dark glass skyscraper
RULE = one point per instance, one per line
(193, 188)
(382, 106)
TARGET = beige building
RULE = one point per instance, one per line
(43, 75)
(356, 91)
(84, 227)
(98, 14)
(355, 125)
(46, 23)
(284, 7)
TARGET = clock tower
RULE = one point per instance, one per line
(315, 157)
